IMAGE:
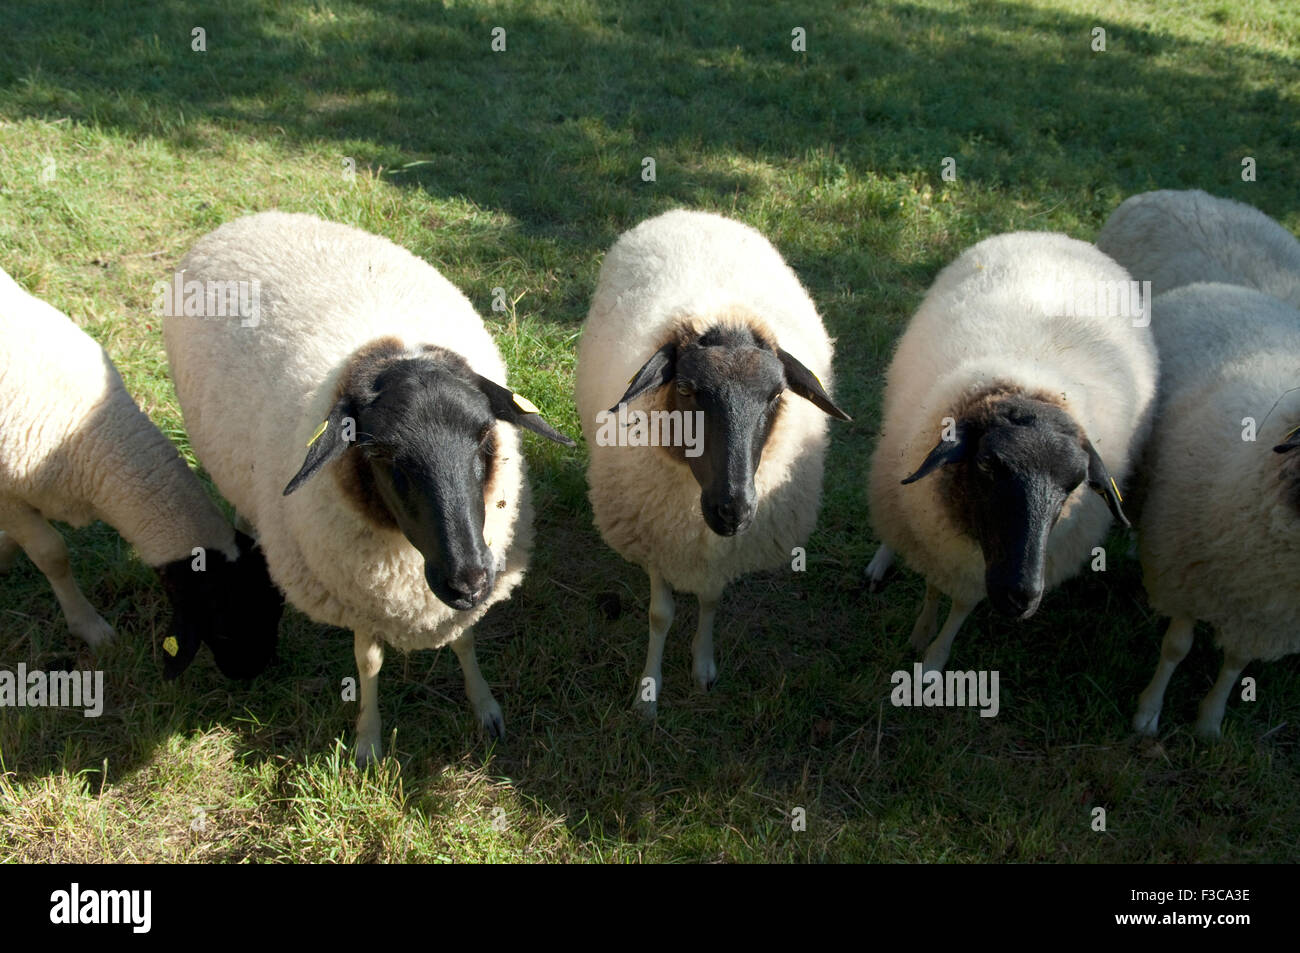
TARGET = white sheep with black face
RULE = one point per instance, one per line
(1174, 238)
(1014, 405)
(75, 447)
(697, 317)
(361, 425)
(1219, 534)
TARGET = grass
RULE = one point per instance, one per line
(516, 170)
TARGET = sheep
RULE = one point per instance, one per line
(1174, 238)
(1219, 535)
(75, 447)
(708, 306)
(364, 358)
(1020, 393)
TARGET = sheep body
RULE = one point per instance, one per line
(75, 447)
(1220, 530)
(691, 270)
(1174, 238)
(994, 318)
(254, 396)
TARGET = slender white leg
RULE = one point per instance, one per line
(44, 546)
(369, 653)
(1174, 648)
(703, 667)
(9, 551)
(879, 565)
(936, 656)
(1210, 717)
(661, 617)
(927, 623)
(485, 707)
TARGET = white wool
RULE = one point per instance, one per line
(254, 396)
(1174, 238)
(994, 315)
(1220, 536)
(693, 268)
(75, 447)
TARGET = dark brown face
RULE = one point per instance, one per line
(1007, 476)
(734, 378)
(425, 428)
(1289, 472)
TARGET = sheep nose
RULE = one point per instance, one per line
(734, 516)
(1020, 601)
(471, 585)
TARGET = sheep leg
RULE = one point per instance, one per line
(879, 565)
(936, 656)
(369, 652)
(927, 623)
(486, 709)
(8, 552)
(45, 547)
(1178, 640)
(703, 667)
(1210, 717)
(661, 617)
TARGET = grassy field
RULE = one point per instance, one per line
(120, 145)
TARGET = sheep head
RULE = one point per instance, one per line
(733, 377)
(425, 432)
(1010, 466)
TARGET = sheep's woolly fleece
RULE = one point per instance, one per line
(1220, 532)
(692, 270)
(1174, 238)
(994, 316)
(255, 396)
(74, 445)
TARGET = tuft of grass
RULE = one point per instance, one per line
(120, 145)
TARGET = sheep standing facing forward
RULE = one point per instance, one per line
(360, 424)
(75, 447)
(1009, 388)
(698, 318)
(1173, 238)
(1219, 534)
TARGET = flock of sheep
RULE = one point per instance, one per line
(364, 433)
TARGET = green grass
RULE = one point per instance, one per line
(517, 170)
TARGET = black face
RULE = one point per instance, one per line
(232, 606)
(1022, 471)
(737, 386)
(1010, 471)
(424, 424)
(429, 436)
(736, 380)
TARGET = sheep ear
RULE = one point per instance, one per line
(656, 372)
(805, 383)
(515, 409)
(1099, 480)
(944, 453)
(334, 436)
(1291, 441)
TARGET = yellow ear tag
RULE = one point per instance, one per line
(319, 430)
(524, 404)
(1291, 433)
(170, 646)
(1118, 496)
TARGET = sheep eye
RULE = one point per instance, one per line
(685, 389)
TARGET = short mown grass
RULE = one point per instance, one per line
(120, 145)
